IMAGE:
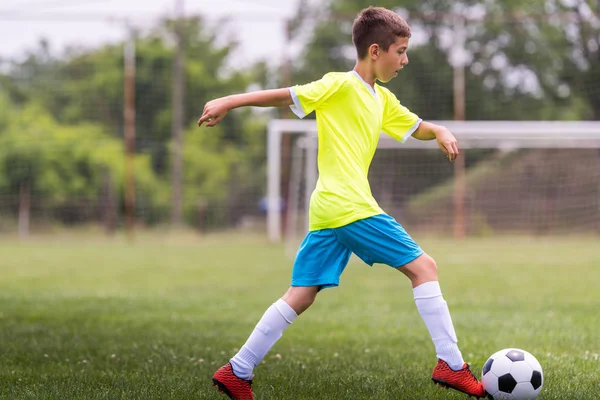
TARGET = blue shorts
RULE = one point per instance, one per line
(324, 254)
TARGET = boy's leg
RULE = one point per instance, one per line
(235, 377)
(270, 328)
(433, 309)
(319, 264)
(451, 370)
(380, 239)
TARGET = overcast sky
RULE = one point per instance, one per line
(257, 24)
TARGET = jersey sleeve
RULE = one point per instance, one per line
(398, 121)
(309, 97)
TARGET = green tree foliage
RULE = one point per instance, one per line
(221, 173)
(558, 42)
(66, 165)
(86, 86)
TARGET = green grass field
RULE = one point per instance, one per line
(104, 319)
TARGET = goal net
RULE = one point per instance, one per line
(526, 178)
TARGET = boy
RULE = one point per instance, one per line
(351, 112)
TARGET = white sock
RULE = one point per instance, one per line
(435, 313)
(268, 330)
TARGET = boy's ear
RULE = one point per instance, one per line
(374, 51)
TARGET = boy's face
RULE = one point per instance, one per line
(388, 63)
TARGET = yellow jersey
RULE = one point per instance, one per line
(351, 114)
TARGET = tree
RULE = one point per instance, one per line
(87, 86)
(64, 165)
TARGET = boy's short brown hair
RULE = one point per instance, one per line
(377, 25)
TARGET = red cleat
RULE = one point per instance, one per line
(462, 380)
(236, 388)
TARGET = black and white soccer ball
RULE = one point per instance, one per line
(512, 374)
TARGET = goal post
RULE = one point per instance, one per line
(498, 136)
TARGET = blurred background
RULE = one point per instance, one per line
(137, 249)
(99, 102)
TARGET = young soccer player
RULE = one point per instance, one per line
(352, 110)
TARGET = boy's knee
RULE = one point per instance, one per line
(429, 265)
(421, 270)
(300, 297)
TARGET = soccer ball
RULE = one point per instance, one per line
(512, 374)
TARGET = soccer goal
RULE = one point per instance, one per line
(534, 177)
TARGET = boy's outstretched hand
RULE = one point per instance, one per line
(214, 111)
(445, 139)
(447, 143)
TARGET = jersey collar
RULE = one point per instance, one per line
(369, 87)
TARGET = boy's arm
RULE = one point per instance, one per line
(445, 139)
(215, 110)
